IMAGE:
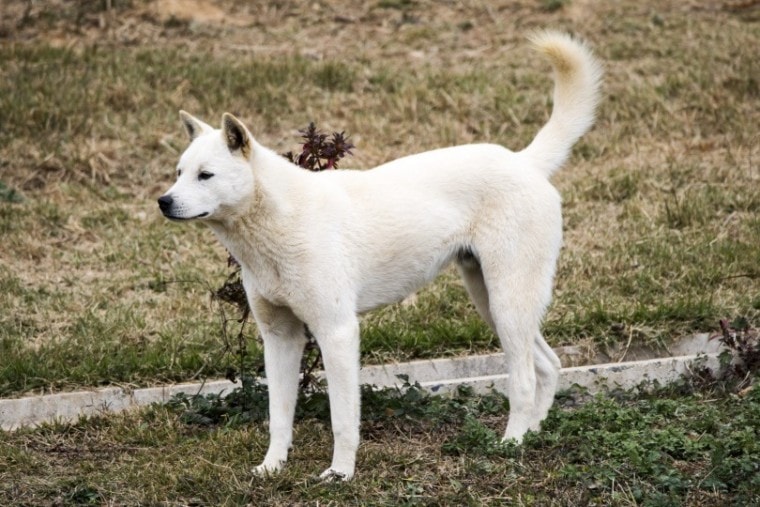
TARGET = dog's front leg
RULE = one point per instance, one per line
(284, 341)
(340, 352)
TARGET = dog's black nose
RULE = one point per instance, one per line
(165, 202)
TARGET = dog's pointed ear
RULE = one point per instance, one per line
(193, 125)
(236, 135)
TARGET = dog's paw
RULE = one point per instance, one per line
(333, 475)
(267, 469)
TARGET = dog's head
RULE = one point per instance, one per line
(214, 173)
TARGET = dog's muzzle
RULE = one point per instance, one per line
(166, 203)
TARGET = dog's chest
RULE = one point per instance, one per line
(265, 271)
(267, 276)
(266, 282)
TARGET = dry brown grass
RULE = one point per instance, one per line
(661, 198)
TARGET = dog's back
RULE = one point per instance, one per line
(411, 216)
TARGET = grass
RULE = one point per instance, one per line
(694, 443)
(661, 198)
(661, 240)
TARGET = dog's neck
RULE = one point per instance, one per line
(250, 233)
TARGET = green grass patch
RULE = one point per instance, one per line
(8, 194)
(692, 443)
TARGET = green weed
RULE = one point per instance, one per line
(652, 446)
(8, 194)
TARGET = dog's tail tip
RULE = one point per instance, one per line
(565, 52)
(578, 76)
(569, 55)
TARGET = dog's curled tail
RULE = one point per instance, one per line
(577, 79)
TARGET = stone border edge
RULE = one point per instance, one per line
(438, 376)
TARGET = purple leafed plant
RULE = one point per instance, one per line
(318, 152)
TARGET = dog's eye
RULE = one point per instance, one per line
(204, 175)
(179, 173)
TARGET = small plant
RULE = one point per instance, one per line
(8, 194)
(406, 408)
(244, 404)
(744, 344)
(318, 153)
(474, 438)
(739, 363)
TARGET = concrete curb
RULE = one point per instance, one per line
(35, 410)
(594, 378)
(439, 376)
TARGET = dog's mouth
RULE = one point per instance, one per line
(167, 205)
(182, 219)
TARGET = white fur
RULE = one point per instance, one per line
(320, 248)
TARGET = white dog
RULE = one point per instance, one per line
(320, 248)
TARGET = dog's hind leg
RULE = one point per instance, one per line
(546, 361)
(284, 341)
(547, 377)
(472, 275)
(519, 288)
(514, 331)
